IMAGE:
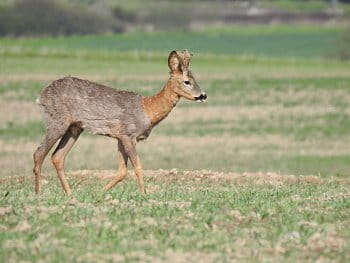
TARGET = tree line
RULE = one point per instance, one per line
(49, 17)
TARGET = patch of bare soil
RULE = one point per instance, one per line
(240, 178)
(193, 176)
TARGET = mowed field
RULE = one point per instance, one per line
(259, 172)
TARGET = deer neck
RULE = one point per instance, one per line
(160, 105)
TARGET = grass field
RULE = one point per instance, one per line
(258, 173)
(272, 41)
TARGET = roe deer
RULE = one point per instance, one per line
(72, 105)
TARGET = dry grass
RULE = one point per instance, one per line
(18, 112)
(171, 176)
(255, 112)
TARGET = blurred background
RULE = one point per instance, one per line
(277, 74)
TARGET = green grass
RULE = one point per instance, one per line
(192, 219)
(27, 130)
(277, 41)
(310, 6)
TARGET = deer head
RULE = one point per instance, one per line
(187, 86)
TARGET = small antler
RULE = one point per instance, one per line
(186, 58)
(179, 61)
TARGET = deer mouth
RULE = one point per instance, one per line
(201, 98)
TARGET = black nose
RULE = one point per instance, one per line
(202, 97)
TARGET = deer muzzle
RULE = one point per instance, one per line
(202, 97)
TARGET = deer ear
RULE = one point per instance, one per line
(174, 62)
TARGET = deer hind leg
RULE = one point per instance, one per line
(122, 167)
(130, 149)
(51, 138)
(59, 155)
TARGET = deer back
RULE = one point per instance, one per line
(97, 108)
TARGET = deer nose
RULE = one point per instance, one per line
(202, 97)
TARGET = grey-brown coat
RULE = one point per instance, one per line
(72, 105)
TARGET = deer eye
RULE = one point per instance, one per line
(187, 82)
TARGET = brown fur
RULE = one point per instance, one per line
(159, 106)
(72, 105)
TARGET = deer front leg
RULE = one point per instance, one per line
(122, 167)
(130, 149)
